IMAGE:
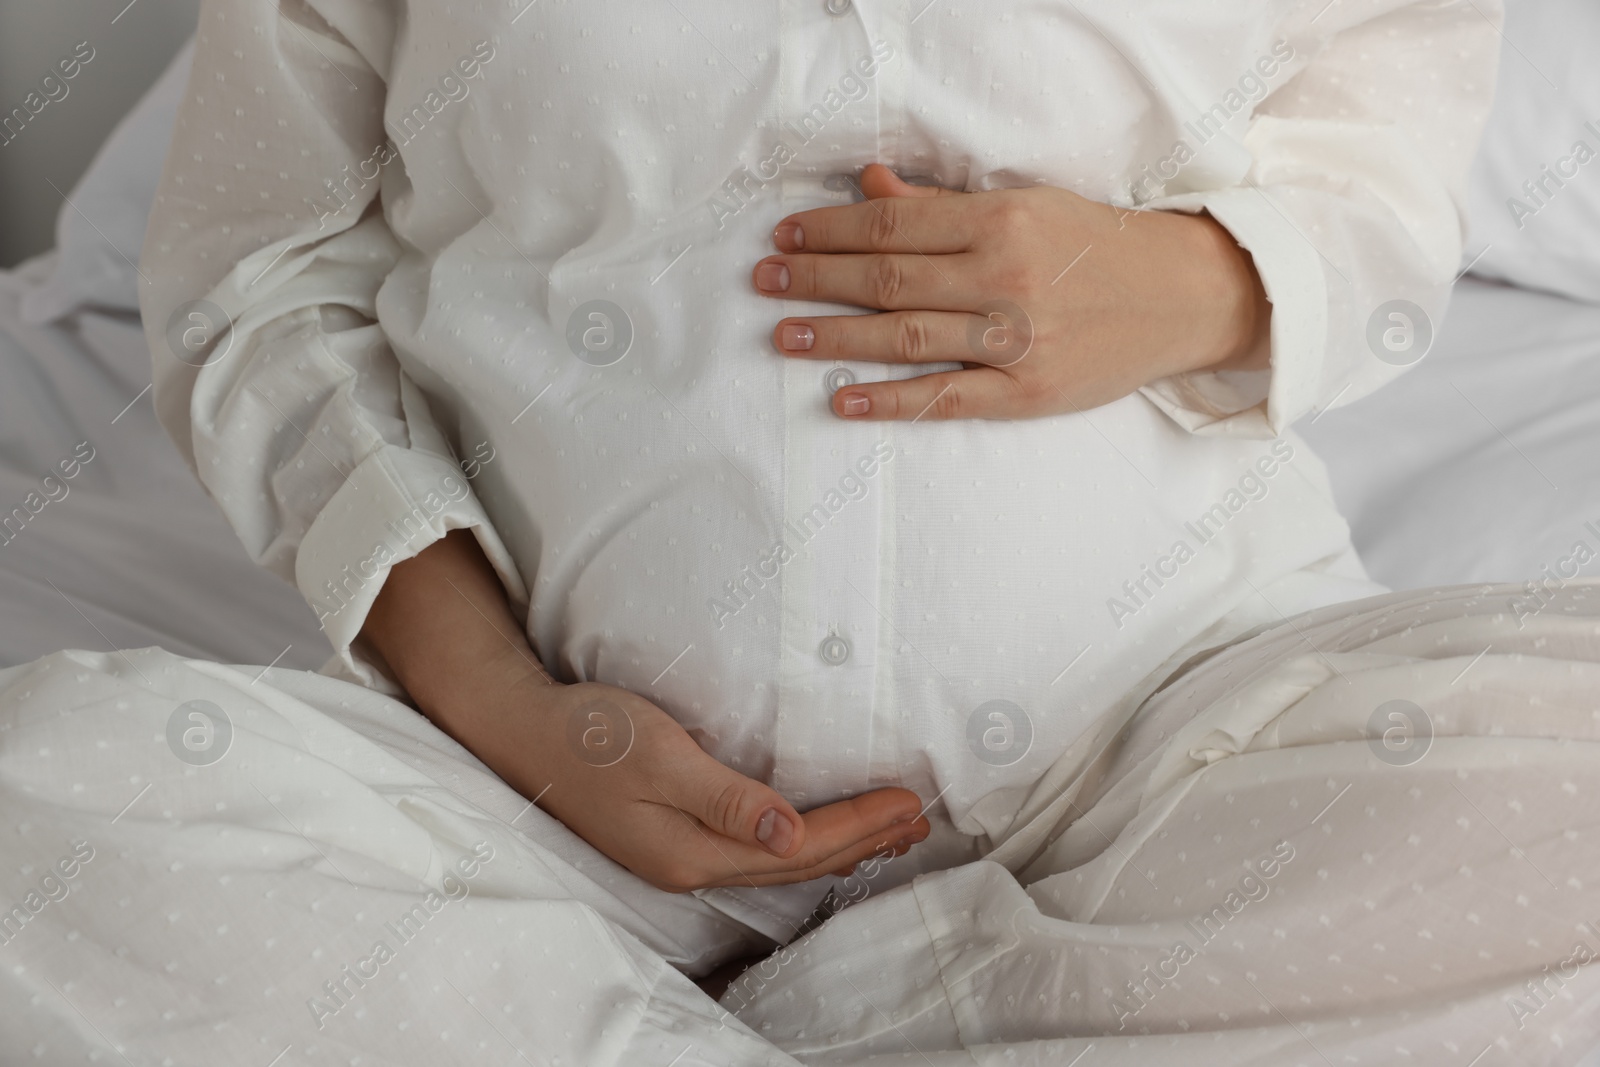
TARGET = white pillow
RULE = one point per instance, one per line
(1534, 199)
(100, 228)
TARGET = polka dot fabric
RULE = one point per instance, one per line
(1357, 838)
(1363, 836)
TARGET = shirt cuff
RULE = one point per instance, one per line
(1258, 404)
(397, 502)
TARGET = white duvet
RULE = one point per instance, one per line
(1273, 863)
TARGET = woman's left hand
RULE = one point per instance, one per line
(1055, 303)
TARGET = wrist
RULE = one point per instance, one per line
(1241, 337)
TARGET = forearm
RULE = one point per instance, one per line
(446, 630)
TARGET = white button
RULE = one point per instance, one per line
(837, 378)
(843, 183)
(836, 7)
(834, 650)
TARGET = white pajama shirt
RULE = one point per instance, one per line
(486, 266)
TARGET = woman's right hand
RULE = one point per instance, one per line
(616, 769)
(627, 778)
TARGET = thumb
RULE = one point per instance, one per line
(744, 809)
(878, 181)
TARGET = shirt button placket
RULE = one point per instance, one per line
(828, 673)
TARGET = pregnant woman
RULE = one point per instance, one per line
(769, 435)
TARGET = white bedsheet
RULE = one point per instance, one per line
(337, 884)
(133, 553)
(1479, 463)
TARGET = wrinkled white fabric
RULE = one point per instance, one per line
(1347, 896)
(232, 910)
(1277, 864)
(408, 211)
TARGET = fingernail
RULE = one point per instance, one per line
(772, 278)
(797, 337)
(789, 237)
(774, 831)
(909, 817)
(855, 404)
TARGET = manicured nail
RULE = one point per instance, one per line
(774, 831)
(856, 404)
(789, 237)
(772, 278)
(797, 337)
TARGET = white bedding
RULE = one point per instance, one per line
(130, 552)
(1479, 463)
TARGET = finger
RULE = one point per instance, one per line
(896, 337)
(918, 220)
(878, 181)
(888, 282)
(740, 808)
(880, 817)
(977, 393)
(893, 841)
(836, 835)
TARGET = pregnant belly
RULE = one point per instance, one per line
(946, 607)
(825, 604)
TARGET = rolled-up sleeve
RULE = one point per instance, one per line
(1352, 207)
(265, 252)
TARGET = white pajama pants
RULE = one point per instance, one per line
(1367, 835)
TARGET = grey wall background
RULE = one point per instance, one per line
(132, 46)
